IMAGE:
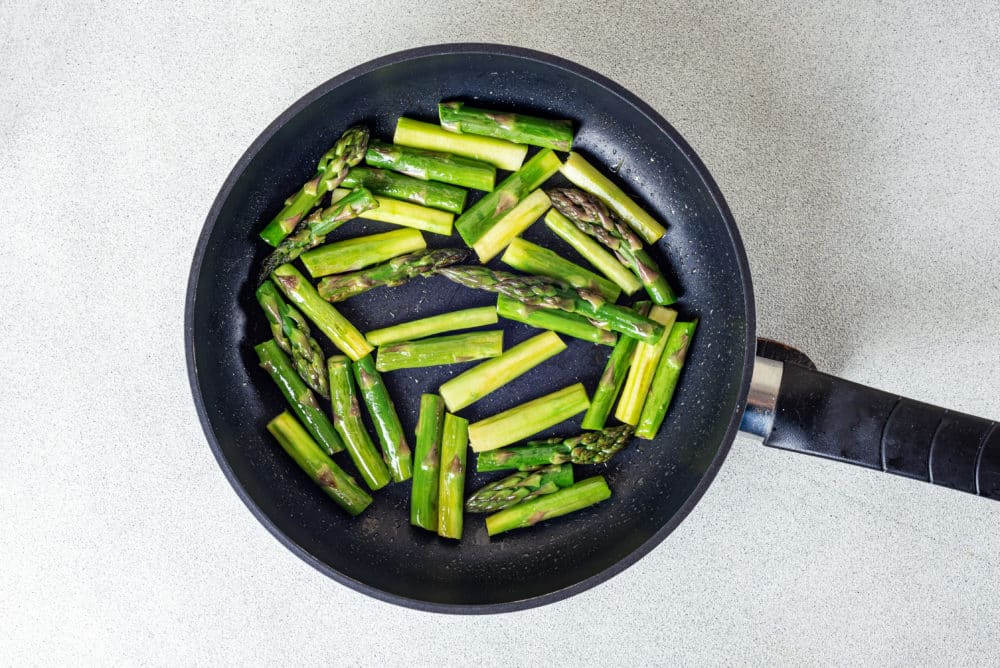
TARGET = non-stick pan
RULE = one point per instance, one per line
(655, 484)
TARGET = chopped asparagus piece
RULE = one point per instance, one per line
(612, 379)
(519, 128)
(534, 259)
(432, 165)
(427, 463)
(439, 350)
(401, 187)
(347, 420)
(497, 152)
(291, 332)
(405, 214)
(582, 494)
(519, 487)
(640, 374)
(396, 271)
(511, 224)
(569, 324)
(589, 447)
(593, 252)
(529, 418)
(454, 448)
(352, 254)
(395, 449)
(665, 381)
(435, 324)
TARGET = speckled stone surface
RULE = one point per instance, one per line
(859, 148)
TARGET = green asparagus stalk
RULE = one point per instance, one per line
(395, 449)
(511, 224)
(291, 332)
(426, 472)
(396, 271)
(584, 176)
(499, 153)
(353, 254)
(337, 328)
(440, 350)
(454, 446)
(665, 381)
(337, 484)
(589, 447)
(330, 172)
(474, 384)
(569, 324)
(347, 420)
(519, 487)
(590, 215)
(529, 418)
(534, 259)
(645, 357)
(612, 379)
(299, 397)
(581, 495)
(406, 214)
(519, 128)
(432, 165)
(482, 215)
(592, 252)
(435, 324)
(399, 186)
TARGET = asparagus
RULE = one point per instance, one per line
(502, 154)
(471, 386)
(396, 271)
(395, 449)
(583, 175)
(590, 215)
(519, 128)
(424, 493)
(534, 259)
(519, 487)
(332, 167)
(640, 375)
(347, 420)
(353, 254)
(589, 447)
(665, 381)
(451, 489)
(399, 186)
(416, 329)
(291, 332)
(432, 165)
(511, 224)
(581, 495)
(328, 319)
(440, 350)
(337, 484)
(612, 379)
(406, 214)
(592, 252)
(299, 397)
(529, 418)
(482, 215)
(569, 324)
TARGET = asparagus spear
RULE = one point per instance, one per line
(482, 215)
(534, 259)
(590, 216)
(665, 381)
(592, 252)
(347, 420)
(432, 165)
(519, 487)
(417, 329)
(406, 214)
(583, 175)
(396, 271)
(569, 324)
(612, 379)
(399, 186)
(582, 494)
(519, 128)
(502, 154)
(337, 484)
(640, 375)
(299, 397)
(328, 319)
(471, 386)
(332, 167)
(353, 254)
(395, 449)
(511, 224)
(426, 473)
(291, 332)
(454, 444)
(529, 418)
(440, 350)
(589, 447)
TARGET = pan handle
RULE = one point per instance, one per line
(793, 407)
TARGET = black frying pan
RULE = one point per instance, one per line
(655, 484)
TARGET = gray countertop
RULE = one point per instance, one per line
(859, 148)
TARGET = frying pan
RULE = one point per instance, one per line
(655, 483)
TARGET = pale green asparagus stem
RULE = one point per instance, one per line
(406, 214)
(612, 379)
(529, 418)
(427, 463)
(502, 154)
(534, 259)
(511, 224)
(454, 448)
(435, 324)
(592, 252)
(440, 350)
(582, 494)
(640, 374)
(540, 317)
(352, 254)
(665, 381)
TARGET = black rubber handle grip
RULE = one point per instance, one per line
(819, 414)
